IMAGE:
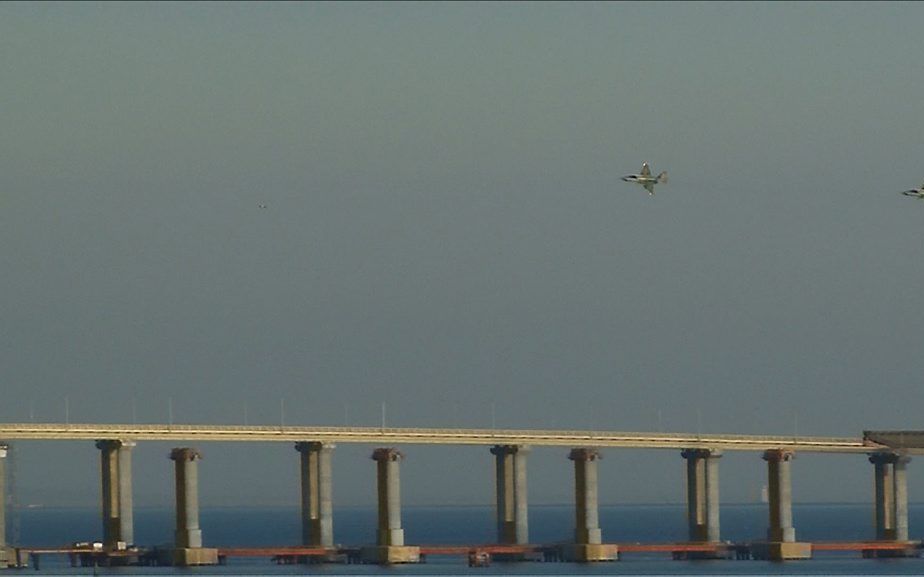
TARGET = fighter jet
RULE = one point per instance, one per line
(645, 179)
(915, 192)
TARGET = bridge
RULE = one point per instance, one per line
(390, 435)
(888, 451)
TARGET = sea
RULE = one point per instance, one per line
(254, 527)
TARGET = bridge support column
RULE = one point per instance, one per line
(511, 490)
(389, 535)
(884, 494)
(188, 536)
(779, 483)
(712, 496)
(891, 498)
(116, 490)
(587, 535)
(317, 488)
(5, 554)
(781, 535)
(703, 494)
(900, 476)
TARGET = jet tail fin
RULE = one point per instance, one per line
(662, 177)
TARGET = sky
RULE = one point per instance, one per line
(445, 231)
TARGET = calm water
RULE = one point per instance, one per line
(468, 525)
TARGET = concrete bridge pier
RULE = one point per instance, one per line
(703, 496)
(884, 494)
(188, 549)
(891, 501)
(5, 553)
(900, 477)
(781, 535)
(10, 557)
(116, 490)
(588, 540)
(703, 493)
(511, 492)
(390, 547)
(317, 489)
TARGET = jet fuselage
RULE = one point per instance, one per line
(640, 179)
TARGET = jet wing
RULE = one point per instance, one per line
(649, 186)
(645, 170)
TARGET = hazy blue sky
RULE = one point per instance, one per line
(446, 229)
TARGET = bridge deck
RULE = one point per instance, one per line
(391, 436)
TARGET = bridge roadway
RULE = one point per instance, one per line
(394, 436)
